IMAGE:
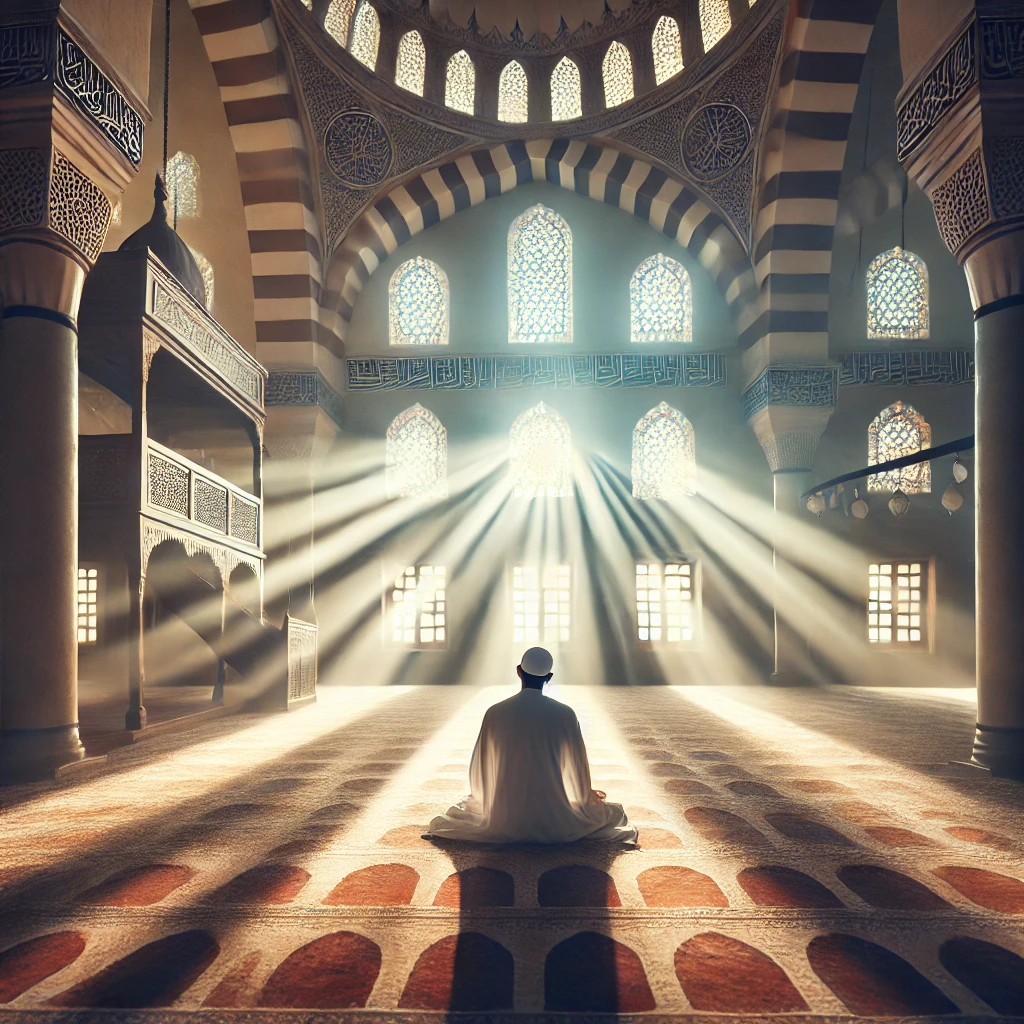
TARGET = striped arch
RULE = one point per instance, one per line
(591, 169)
(242, 43)
(802, 162)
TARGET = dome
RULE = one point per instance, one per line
(530, 16)
(159, 237)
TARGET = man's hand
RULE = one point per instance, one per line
(600, 794)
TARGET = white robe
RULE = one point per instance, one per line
(530, 781)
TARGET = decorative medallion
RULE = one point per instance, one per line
(357, 149)
(715, 139)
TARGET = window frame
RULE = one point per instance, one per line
(926, 645)
(391, 571)
(540, 564)
(100, 591)
(696, 574)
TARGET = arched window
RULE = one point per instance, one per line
(539, 277)
(206, 269)
(617, 71)
(338, 21)
(460, 82)
(566, 102)
(540, 454)
(416, 455)
(667, 48)
(513, 104)
(714, 21)
(897, 431)
(183, 199)
(418, 304)
(660, 301)
(412, 63)
(365, 35)
(664, 456)
(897, 285)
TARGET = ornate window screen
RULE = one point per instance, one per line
(412, 63)
(660, 301)
(664, 455)
(339, 20)
(460, 82)
(416, 455)
(667, 48)
(617, 72)
(87, 602)
(206, 269)
(665, 602)
(513, 102)
(897, 431)
(540, 454)
(539, 278)
(566, 94)
(541, 604)
(714, 21)
(897, 287)
(418, 304)
(417, 609)
(898, 604)
(365, 35)
(183, 200)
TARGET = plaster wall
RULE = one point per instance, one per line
(121, 30)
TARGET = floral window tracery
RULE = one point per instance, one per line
(566, 91)
(714, 21)
(897, 288)
(418, 304)
(365, 35)
(896, 431)
(660, 301)
(416, 455)
(338, 21)
(540, 454)
(460, 82)
(513, 94)
(183, 198)
(617, 72)
(412, 63)
(667, 48)
(664, 455)
(539, 278)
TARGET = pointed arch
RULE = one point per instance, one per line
(667, 48)
(416, 455)
(617, 74)
(664, 455)
(897, 292)
(460, 83)
(715, 21)
(566, 91)
(513, 94)
(540, 454)
(338, 20)
(539, 278)
(899, 430)
(418, 304)
(365, 35)
(184, 200)
(411, 65)
(660, 301)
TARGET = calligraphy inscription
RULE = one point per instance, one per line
(912, 369)
(26, 54)
(357, 148)
(1002, 48)
(809, 386)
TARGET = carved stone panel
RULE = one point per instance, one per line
(79, 210)
(22, 186)
(961, 203)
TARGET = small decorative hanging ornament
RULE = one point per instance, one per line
(816, 504)
(899, 503)
(952, 499)
(859, 508)
(959, 471)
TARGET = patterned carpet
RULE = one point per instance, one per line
(806, 852)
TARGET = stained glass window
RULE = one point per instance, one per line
(665, 606)
(339, 19)
(88, 603)
(668, 49)
(412, 63)
(898, 599)
(460, 82)
(417, 609)
(541, 604)
(566, 102)
(416, 455)
(897, 431)
(660, 301)
(365, 35)
(714, 21)
(617, 71)
(897, 285)
(664, 455)
(418, 304)
(206, 269)
(539, 277)
(512, 94)
(183, 186)
(540, 454)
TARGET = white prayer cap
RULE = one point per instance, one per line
(536, 662)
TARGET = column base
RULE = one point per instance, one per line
(1000, 749)
(787, 677)
(135, 718)
(29, 755)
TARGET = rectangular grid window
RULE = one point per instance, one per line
(897, 603)
(541, 604)
(88, 604)
(418, 610)
(665, 602)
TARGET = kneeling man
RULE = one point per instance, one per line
(530, 777)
